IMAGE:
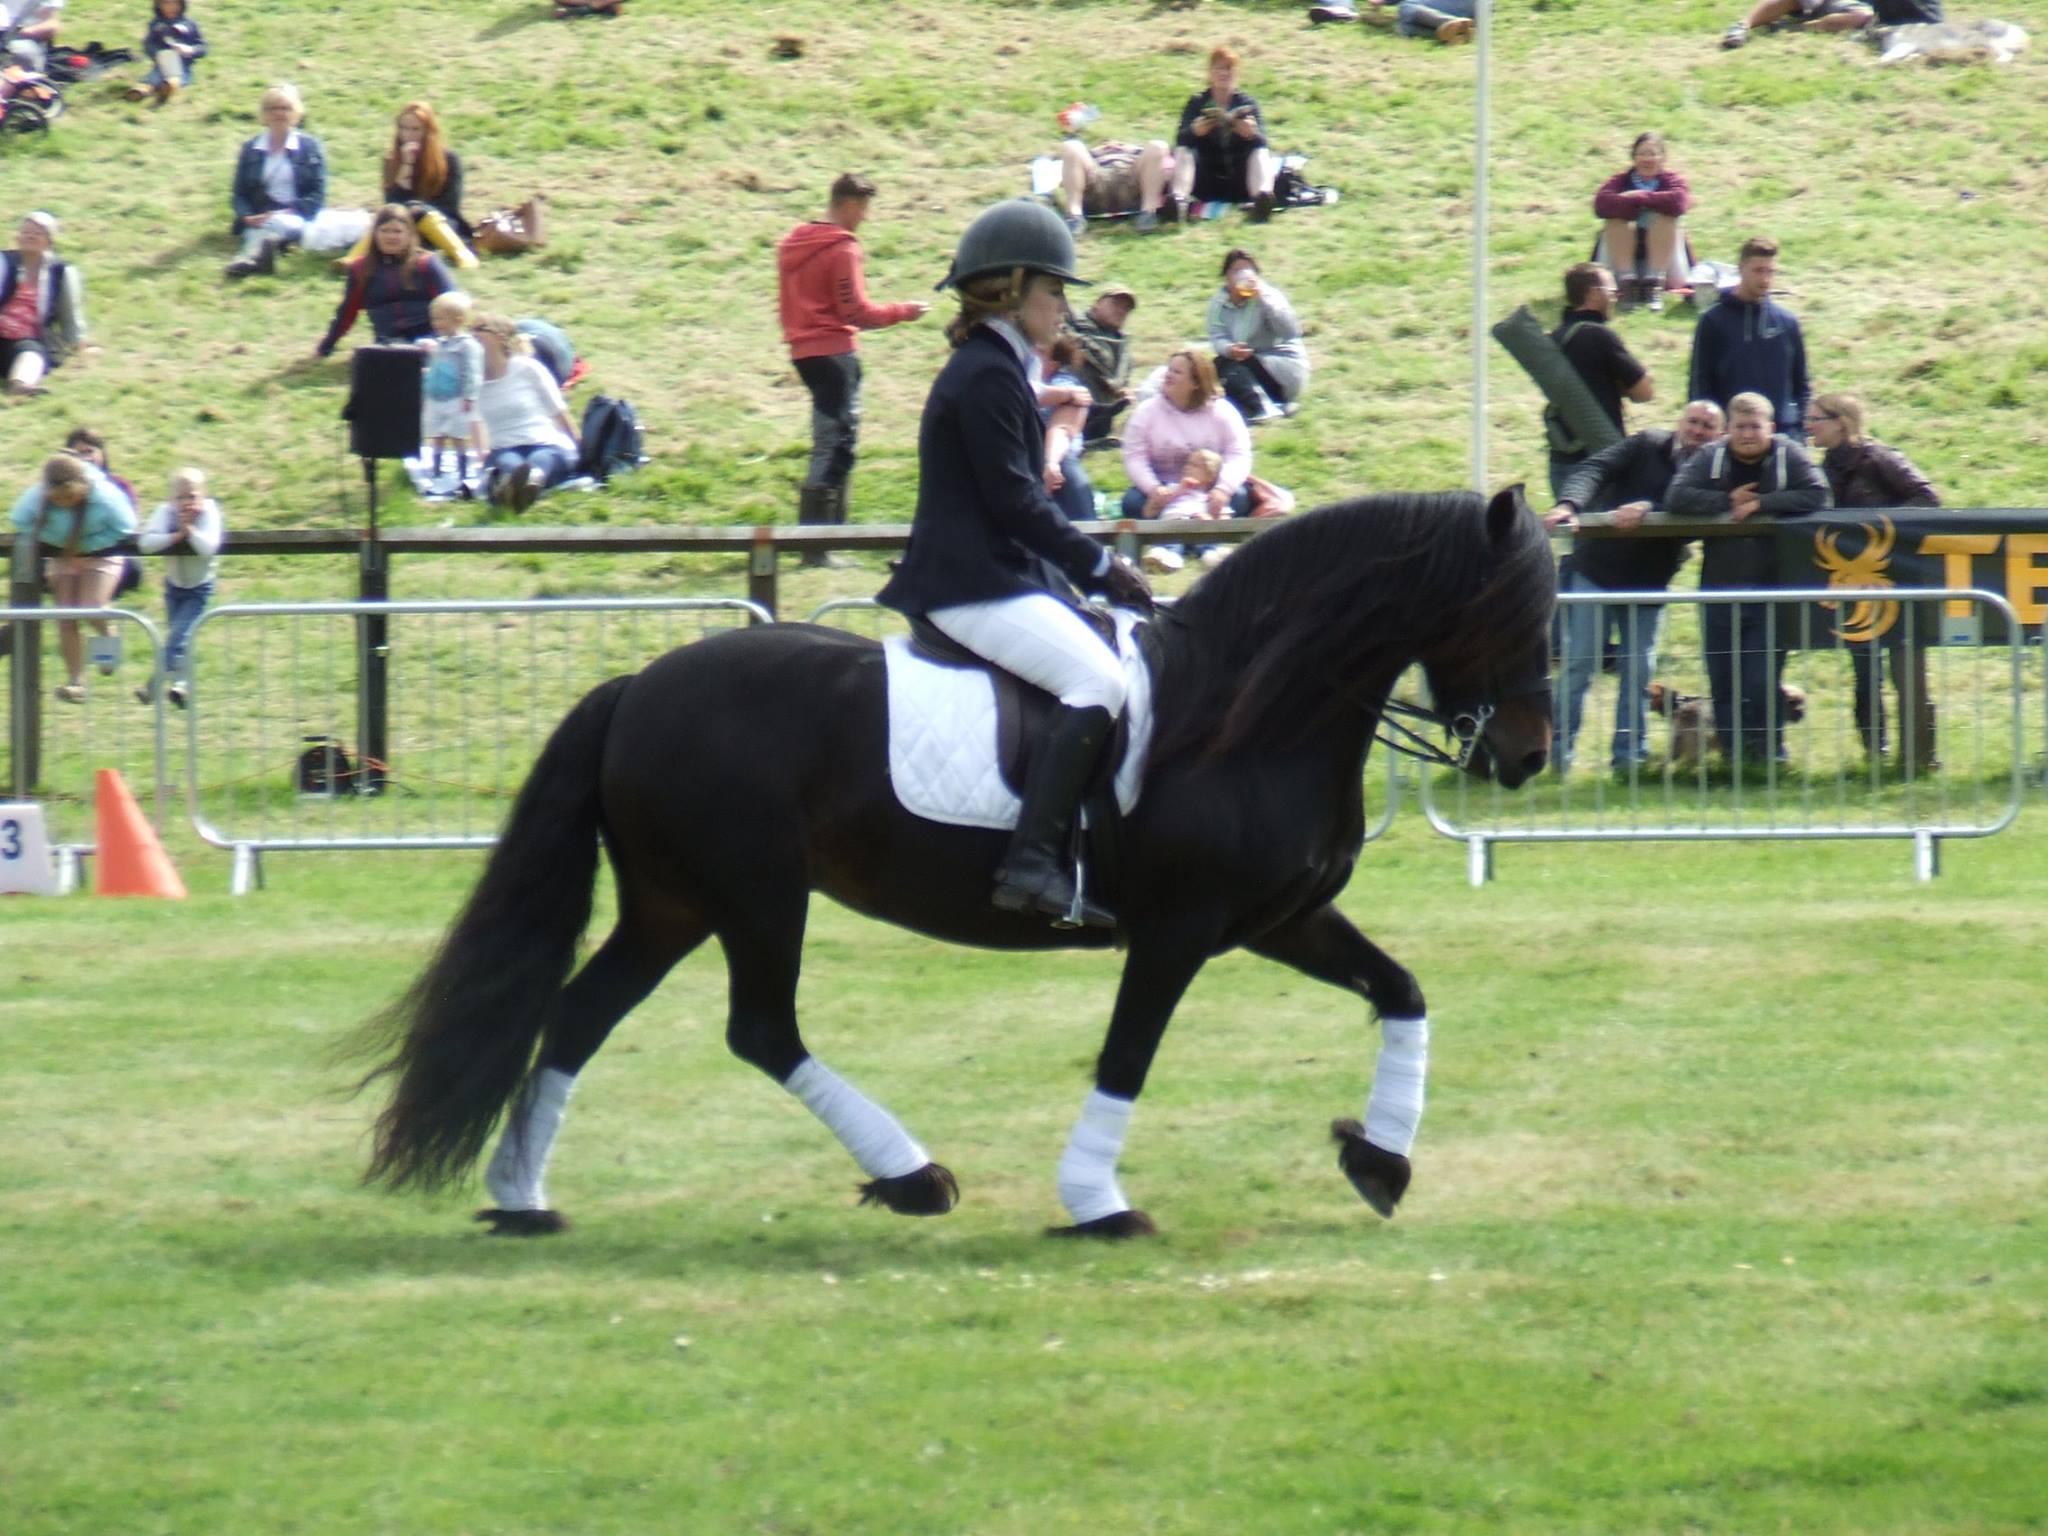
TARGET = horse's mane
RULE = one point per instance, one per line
(1294, 627)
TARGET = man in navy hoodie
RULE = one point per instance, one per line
(1747, 344)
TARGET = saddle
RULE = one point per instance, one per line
(1023, 720)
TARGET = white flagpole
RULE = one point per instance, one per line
(1484, 19)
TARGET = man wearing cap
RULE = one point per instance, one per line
(1105, 365)
(988, 549)
(825, 305)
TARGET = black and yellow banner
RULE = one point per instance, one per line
(2002, 552)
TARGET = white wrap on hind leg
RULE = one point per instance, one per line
(1393, 1112)
(517, 1168)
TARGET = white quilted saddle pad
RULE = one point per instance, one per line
(942, 736)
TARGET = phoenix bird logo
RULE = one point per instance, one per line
(1867, 618)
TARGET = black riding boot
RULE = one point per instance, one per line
(1036, 874)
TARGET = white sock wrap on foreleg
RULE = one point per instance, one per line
(1394, 1110)
(1088, 1187)
(521, 1161)
(875, 1137)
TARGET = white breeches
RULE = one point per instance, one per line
(1043, 641)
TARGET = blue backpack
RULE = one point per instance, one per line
(611, 439)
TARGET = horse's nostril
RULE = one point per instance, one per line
(1533, 763)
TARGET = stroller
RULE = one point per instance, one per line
(28, 101)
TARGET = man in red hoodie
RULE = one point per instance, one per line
(824, 305)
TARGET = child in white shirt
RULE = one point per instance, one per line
(187, 530)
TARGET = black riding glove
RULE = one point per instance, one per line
(1126, 586)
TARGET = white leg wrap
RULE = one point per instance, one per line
(1394, 1110)
(1088, 1187)
(521, 1161)
(875, 1137)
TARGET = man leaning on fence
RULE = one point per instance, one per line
(1631, 478)
(1754, 471)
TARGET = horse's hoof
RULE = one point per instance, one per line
(1380, 1177)
(524, 1223)
(931, 1191)
(1122, 1224)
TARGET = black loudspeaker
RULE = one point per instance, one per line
(383, 410)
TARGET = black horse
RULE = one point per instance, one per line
(733, 777)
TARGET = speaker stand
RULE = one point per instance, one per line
(373, 649)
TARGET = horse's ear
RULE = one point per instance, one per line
(1504, 512)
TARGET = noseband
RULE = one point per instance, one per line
(1466, 726)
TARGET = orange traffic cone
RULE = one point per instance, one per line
(132, 862)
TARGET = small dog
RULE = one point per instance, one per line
(1692, 719)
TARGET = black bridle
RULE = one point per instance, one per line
(1466, 725)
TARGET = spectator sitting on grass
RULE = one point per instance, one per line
(1189, 413)
(280, 184)
(1828, 16)
(29, 27)
(1642, 241)
(423, 175)
(42, 306)
(1227, 160)
(1448, 21)
(1105, 361)
(1259, 356)
(1116, 178)
(396, 283)
(187, 531)
(173, 44)
(532, 442)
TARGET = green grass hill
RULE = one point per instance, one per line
(676, 146)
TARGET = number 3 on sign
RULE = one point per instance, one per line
(10, 838)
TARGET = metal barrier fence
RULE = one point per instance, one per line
(1808, 771)
(470, 690)
(863, 615)
(54, 763)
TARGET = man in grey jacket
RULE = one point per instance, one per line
(1752, 472)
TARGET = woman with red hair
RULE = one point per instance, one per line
(422, 173)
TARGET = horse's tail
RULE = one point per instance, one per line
(460, 1040)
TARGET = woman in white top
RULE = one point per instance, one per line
(187, 531)
(531, 441)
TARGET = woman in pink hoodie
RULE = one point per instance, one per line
(1642, 236)
(1188, 413)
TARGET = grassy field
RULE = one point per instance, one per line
(1727, 1219)
(676, 149)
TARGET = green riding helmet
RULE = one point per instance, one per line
(1019, 233)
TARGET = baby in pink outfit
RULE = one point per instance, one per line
(1197, 478)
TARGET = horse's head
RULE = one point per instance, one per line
(1489, 674)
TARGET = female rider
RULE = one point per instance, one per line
(987, 545)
